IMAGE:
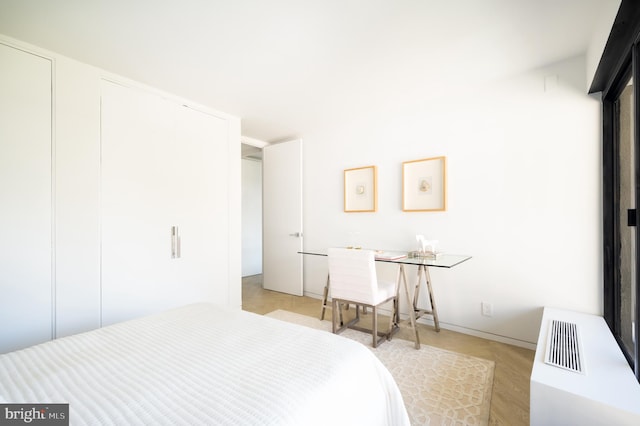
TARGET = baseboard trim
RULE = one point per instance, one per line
(481, 334)
(459, 329)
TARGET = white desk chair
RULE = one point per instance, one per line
(353, 279)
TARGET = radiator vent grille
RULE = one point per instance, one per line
(564, 348)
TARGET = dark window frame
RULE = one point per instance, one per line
(620, 61)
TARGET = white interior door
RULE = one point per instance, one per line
(282, 217)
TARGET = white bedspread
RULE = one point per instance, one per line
(204, 364)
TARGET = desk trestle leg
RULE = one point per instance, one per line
(424, 270)
(402, 278)
(327, 305)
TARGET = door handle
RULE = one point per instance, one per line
(175, 243)
(296, 234)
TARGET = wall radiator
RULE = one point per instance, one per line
(579, 375)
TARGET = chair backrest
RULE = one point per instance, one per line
(352, 275)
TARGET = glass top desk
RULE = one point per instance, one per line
(441, 261)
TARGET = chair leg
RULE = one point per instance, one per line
(334, 315)
(375, 326)
(377, 336)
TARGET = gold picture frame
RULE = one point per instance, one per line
(360, 190)
(424, 185)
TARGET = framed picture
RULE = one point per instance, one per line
(424, 186)
(360, 192)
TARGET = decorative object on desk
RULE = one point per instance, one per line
(417, 254)
(389, 255)
(424, 185)
(360, 190)
(426, 248)
(425, 245)
(354, 241)
(438, 386)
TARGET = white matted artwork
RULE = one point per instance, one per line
(424, 185)
(360, 193)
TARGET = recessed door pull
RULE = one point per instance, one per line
(175, 243)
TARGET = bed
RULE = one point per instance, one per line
(205, 364)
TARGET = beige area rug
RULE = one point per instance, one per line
(439, 387)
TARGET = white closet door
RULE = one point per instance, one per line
(159, 171)
(202, 200)
(25, 199)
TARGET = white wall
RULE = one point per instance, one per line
(524, 197)
(251, 217)
(601, 30)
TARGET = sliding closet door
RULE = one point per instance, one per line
(25, 199)
(162, 219)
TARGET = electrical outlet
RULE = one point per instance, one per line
(487, 309)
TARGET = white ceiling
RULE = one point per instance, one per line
(287, 67)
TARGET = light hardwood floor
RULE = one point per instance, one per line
(510, 399)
